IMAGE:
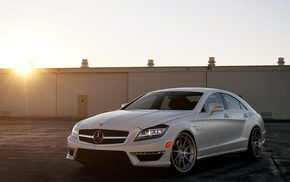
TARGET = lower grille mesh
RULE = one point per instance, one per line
(149, 157)
(102, 156)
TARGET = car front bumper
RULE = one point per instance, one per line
(147, 153)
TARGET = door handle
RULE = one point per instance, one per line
(246, 115)
(226, 115)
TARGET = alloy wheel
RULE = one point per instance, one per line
(183, 152)
(256, 142)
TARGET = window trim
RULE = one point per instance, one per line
(224, 103)
(240, 103)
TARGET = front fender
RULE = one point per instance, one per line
(192, 128)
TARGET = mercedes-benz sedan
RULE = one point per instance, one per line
(170, 127)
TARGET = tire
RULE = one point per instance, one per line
(255, 145)
(183, 155)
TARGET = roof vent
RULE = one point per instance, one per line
(211, 61)
(85, 63)
(150, 63)
(281, 62)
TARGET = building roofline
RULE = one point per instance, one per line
(156, 68)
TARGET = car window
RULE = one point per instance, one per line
(184, 102)
(243, 107)
(147, 102)
(214, 98)
(232, 103)
(167, 101)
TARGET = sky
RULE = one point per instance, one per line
(126, 33)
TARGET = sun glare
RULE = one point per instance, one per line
(20, 52)
(24, 68)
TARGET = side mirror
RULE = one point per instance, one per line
(123, 105)
(214, 107)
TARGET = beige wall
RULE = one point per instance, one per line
(105, 92)
(264, 91)
(32, 95)
(55, 92)
(140, 83)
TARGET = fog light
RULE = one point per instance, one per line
(148, 156)
(71, 151)
(147, 153)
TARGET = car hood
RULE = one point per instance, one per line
(136, 118)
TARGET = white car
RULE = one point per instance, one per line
(170, 127)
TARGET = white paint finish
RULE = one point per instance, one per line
(214, 134)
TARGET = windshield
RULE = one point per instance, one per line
(166, 101)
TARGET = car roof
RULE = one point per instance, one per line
(189, 89)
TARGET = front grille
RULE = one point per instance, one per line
(97, 136)
(102, 156)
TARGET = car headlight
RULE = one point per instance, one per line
(153, 132)
(75, 132)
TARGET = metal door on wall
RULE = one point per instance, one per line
(82, 105)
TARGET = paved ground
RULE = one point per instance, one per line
(35, 150)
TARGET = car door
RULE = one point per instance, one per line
(216, 133)
(239, 118)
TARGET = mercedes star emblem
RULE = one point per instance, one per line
(98, 136)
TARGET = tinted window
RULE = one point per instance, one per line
(243, 107)
(232, 103)
(147, 102)
(167, 101)
(213, 99)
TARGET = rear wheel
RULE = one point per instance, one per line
(255, 144)
(183, 154)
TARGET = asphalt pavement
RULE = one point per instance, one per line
(35, 150)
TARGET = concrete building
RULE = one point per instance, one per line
(84, 92)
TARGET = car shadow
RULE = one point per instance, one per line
(203, 169)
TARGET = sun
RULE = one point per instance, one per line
(24, 68)
(18, 54)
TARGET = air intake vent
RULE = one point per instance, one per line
(266, 115)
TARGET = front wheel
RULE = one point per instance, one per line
(183, 154)
(255, 144)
